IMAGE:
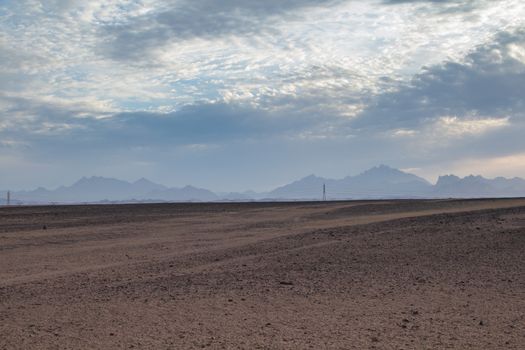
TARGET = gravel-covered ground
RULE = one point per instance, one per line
(342, 275)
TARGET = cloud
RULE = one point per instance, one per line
(199, 124)
(488, 83)
(444, 6)
(460, 3)
(59, 128)
(190, 19)
(300, 51)
(456, 127)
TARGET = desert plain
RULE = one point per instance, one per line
(399, 274)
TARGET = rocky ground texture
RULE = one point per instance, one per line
(445, 274)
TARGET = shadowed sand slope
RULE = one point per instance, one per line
(342, 275)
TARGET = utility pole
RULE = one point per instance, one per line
(324, 192)
(8, 198)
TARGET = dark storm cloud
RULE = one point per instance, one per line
(423, 1)
(189, 19)
(56, 128)
(458, 5)
(204, 123)
(490, 82)
(448, 6)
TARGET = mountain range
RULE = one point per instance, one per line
(378, 182)
(375, 183)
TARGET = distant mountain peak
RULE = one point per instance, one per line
(386, 173)
(311, 177)
(144, 186)
(96, 180)
(450, 176)
(447, 180)
(142, 181)
(384, 169)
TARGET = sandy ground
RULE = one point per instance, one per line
(344, 275)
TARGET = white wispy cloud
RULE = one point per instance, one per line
(58, 48)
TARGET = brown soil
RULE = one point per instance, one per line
(343, 275)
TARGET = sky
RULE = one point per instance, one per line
(233, 95)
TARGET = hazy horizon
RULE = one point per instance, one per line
(132, 180)
(250, 95)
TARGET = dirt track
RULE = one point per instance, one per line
(345, 275)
